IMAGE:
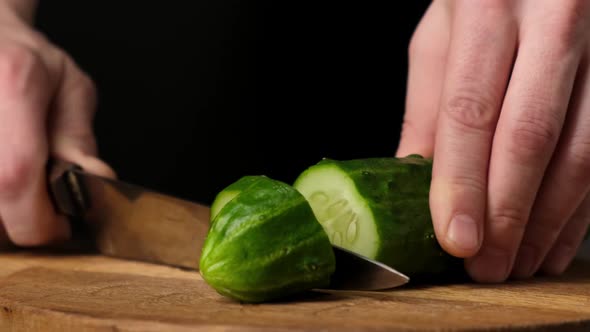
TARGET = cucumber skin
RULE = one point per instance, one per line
(285, 252)
(397, 192)
(231, 191)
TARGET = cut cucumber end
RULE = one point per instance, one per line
(221, 201)
(339, 208)
(231, 191)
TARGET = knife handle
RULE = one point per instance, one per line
(65, 189)
(68, 197)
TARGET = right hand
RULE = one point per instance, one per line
(46, 110)
(499, 95)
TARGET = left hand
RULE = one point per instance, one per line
(47, 107)
(499, 94)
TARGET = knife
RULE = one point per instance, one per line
(131, 222)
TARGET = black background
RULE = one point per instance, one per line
(195, 94)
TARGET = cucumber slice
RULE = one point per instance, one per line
(265, 243)
(378, 207)
(340, 208)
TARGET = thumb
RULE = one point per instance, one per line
(71, 134)
(426, 65)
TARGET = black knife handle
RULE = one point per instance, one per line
(69, 200)
(66, 191)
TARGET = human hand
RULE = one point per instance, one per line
(46, 109)
(498, 94)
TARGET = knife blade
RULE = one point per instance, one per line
(132, 222)
(128, 221)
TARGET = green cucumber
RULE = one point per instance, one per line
(231, 191)
(265, 243)
(378, 207)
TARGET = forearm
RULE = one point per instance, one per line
(23, 8)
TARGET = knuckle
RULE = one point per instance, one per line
(16, 64)
(83, 86)
(531, 139)
(15, 175)
(486, 5)
(469, 183)
(405, 130)
(420, 45)
(490, 14)
(78, 80)
(414, 46)
(541, 232)
(493, 4)
(567, 26)
(36, 40)
(470, 111)
(534, 132)
(408, 127)
(571, 242)
(509, 219)
(566, 41)
(87, 86)
(579, 160)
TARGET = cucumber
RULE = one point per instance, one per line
(378, 207)
(231, 191)
(265, 243)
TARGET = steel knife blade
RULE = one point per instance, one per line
(132, 222)
(128, 221)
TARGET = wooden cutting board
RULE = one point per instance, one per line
(61, 292)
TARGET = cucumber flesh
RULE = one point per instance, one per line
(379, 208)
(221, 200)
(231, 191)
(340, 209)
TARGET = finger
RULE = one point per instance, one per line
(480, 57)
(565, 184)
(25, 207)
(72, 136)
(427, 60)
(4, 240)
(529, 126)
(568, 242)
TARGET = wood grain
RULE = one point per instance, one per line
(56, 292)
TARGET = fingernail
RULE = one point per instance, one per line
(463, 233)
(489, 266)
(559, 259)
(525, 262)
